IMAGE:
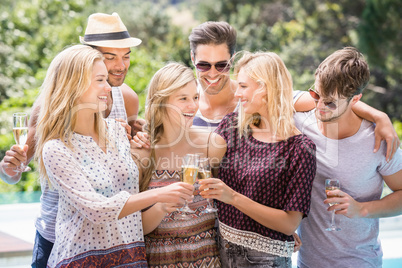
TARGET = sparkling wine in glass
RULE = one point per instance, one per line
(189, 172)
(204, 172)
(20, 131)
(331, 185)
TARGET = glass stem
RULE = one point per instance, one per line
(333, 220)
(209, 202)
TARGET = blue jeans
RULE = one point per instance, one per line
(235, 256)
(41, 251)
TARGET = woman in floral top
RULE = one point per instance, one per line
(87, 160)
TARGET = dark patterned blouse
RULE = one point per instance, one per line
(278, 175)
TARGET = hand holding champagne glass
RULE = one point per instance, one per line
(331, 185)
(204, 172)
(189, 172)
(20, 131)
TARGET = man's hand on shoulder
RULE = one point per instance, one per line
(384, 130)
(140, 140)
(139, 125)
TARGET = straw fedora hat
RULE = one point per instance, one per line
(105, 30)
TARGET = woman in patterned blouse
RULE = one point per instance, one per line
(172, 103)
(87, 160)
(266, 175)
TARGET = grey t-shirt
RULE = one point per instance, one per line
(352, 161)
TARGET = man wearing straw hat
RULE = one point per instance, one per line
(108, 34)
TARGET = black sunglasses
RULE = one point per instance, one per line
(222, 66)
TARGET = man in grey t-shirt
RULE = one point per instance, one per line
(344, 151)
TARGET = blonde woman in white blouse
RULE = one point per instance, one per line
(87, 159)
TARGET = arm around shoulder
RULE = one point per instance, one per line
(384, 129)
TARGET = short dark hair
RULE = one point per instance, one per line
(345, 72)
(213, 32)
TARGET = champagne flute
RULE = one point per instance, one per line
(204, 172)
(20, 131)
(331, 185)
(189, 172)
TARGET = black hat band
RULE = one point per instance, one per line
(106, 36)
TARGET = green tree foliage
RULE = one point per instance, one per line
(31, 34)
(380, 38)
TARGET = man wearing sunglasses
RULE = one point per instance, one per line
(212, 47)
(344, 151)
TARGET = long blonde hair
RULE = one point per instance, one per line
(268, 70)
(68, 77)
(164, 83)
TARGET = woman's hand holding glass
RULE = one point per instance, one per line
(168, 199)
(216, 189)
(177, 193)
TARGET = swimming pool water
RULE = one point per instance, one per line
(20, 197)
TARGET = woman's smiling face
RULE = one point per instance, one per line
(99, 88)
(250, 93)
(183, 104)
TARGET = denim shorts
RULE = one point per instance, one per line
(41, 251)
(235, 256)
